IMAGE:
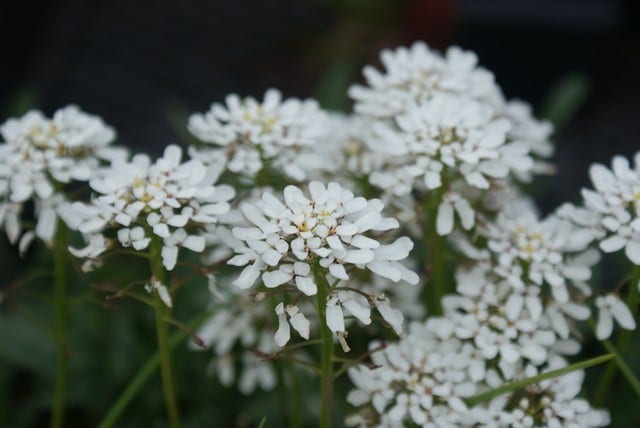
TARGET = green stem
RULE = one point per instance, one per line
(435, 248)
(60, 325)
(296, 396)
(523, 383)
(624, 368)
(144, 374)
(326, 357)
(162, 331)
(623, 342)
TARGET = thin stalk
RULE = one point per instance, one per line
(162, 332)
(435, 247)
(523, 383)
(624, 339)
(296, 396)
(143, 376)
(60, 325)
(326, 356)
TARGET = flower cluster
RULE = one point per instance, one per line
(305, 240)
(39, 156)
(441, 123)
(245, 135)
(142, 201)
(425, 379)
(613, 207)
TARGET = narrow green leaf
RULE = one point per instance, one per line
(263, 422)
(522, 383)
(565, 99)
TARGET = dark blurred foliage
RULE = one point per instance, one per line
(144, 65)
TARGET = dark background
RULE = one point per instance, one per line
(144, 66)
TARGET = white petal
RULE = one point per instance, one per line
(605, 324)
(169, 257)
(275, 278)
(301, 324)
(623, 315)
(633, 252)
(247, 277)
(444, 221)
(306, 285)
(612, 244)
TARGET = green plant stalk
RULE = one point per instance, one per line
(326, 357)
(523, 383)
(296, 396)
(60, 325)
(435, 247)
(162, 332)
(143, 375)
(624, 339)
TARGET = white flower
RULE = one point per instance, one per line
(616, 201)
(156, 287)
(331, 229)
(420, 380)
(40, 155)
(455, 132)
(290, 315)
(141, 200)
(412, 75)
(525, 250)
(610, 307)
(247, 133)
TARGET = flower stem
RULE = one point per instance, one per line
(143, 375)
(296, 396)
(162, 332)
(624, 339)
(326, 357)
(60, 325)
(435, 248)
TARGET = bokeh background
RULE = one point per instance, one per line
(144, 66)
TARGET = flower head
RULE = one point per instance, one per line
(40, 155)
(616, 203)
(330, 229)
(246, 134)
(164, 200)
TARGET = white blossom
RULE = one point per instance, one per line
(164, 200)
(245, 134)
(610, 308)
(331, 230)
(412, 75)
(39, 156)
(616, 203)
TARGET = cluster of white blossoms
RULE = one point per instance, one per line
(441, 122)
(611, 211)
(39, 156)
(425, 379)
(245, 135)
(326, 232)
(236, 331)
(142, 201)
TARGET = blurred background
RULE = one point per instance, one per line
(144, 66)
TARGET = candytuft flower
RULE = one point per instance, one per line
(141, 201)
(331, 229)
(245, 134)
(39, 156)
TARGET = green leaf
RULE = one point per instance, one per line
(522, 383)
(331, 90)
(263, 422)
(565, 99)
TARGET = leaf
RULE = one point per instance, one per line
(522, 383)
(263, 422)
(565, 99)
(331, 90)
